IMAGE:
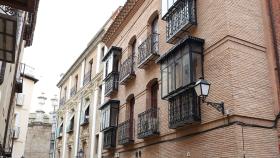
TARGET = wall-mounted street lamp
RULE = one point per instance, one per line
(81, 153)
(202, 90)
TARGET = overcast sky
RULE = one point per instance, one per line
(63, 30)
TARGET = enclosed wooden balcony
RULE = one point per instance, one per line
(127, 70)
(181, 16)
(125, 134)
(148, 51)
(184, 109)
(109, 139)
(148, 123)
(111, 83)
(87, 78)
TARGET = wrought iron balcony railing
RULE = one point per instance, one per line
(127, 70)
(180, 17)
(87, 78)
(73, 91)
(148, 50)
(111, 83)
(8, 10)
(184, 109)
(62, 101)
(148, 123)
(125, 133)
(109, 139)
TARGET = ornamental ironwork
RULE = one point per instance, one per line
(8, 10)
(127, 70)
(148, 50)
(184, 109)
(125, 133)
(148, 123)
(180, 17)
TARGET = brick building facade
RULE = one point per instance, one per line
(151, 109)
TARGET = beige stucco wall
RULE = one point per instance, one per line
(23, 111)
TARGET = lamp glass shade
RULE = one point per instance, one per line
(81, 153)
(202, 88)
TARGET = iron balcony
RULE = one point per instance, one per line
(179, 19)
(111, 83)
(148, 50)
(127, 70)
(148, 123)
(87, 78)
(126, 132)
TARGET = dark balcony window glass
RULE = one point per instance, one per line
(127, 70)
(180, 17)
(184, 109)
(109, 114)
(111, 60)
(181, 66)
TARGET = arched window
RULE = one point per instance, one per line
(152, 94)
(130, 107)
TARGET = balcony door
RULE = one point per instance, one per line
(154, 31)
(131, 117)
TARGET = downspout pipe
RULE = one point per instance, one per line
(274, 39)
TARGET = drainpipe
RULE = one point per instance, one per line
(274, 38)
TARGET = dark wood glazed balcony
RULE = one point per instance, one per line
(148, 123)
(148, 51)
(180, 18)
(184, 109)
(125, 134)
(127, 70)
(109, 139)
(111, 83)
(62, 101)
(73, 91)
(87, 78)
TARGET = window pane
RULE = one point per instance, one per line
(110, 64)
(9, 43)
(1, 41)
(164, 84)
(197, 66)
(178, 75)
(171, 78)
(1, 25)
(186, 69)
(9, 27)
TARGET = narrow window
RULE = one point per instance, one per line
(2, 71)
(96, 143)
(65, 92)
(76, 82)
